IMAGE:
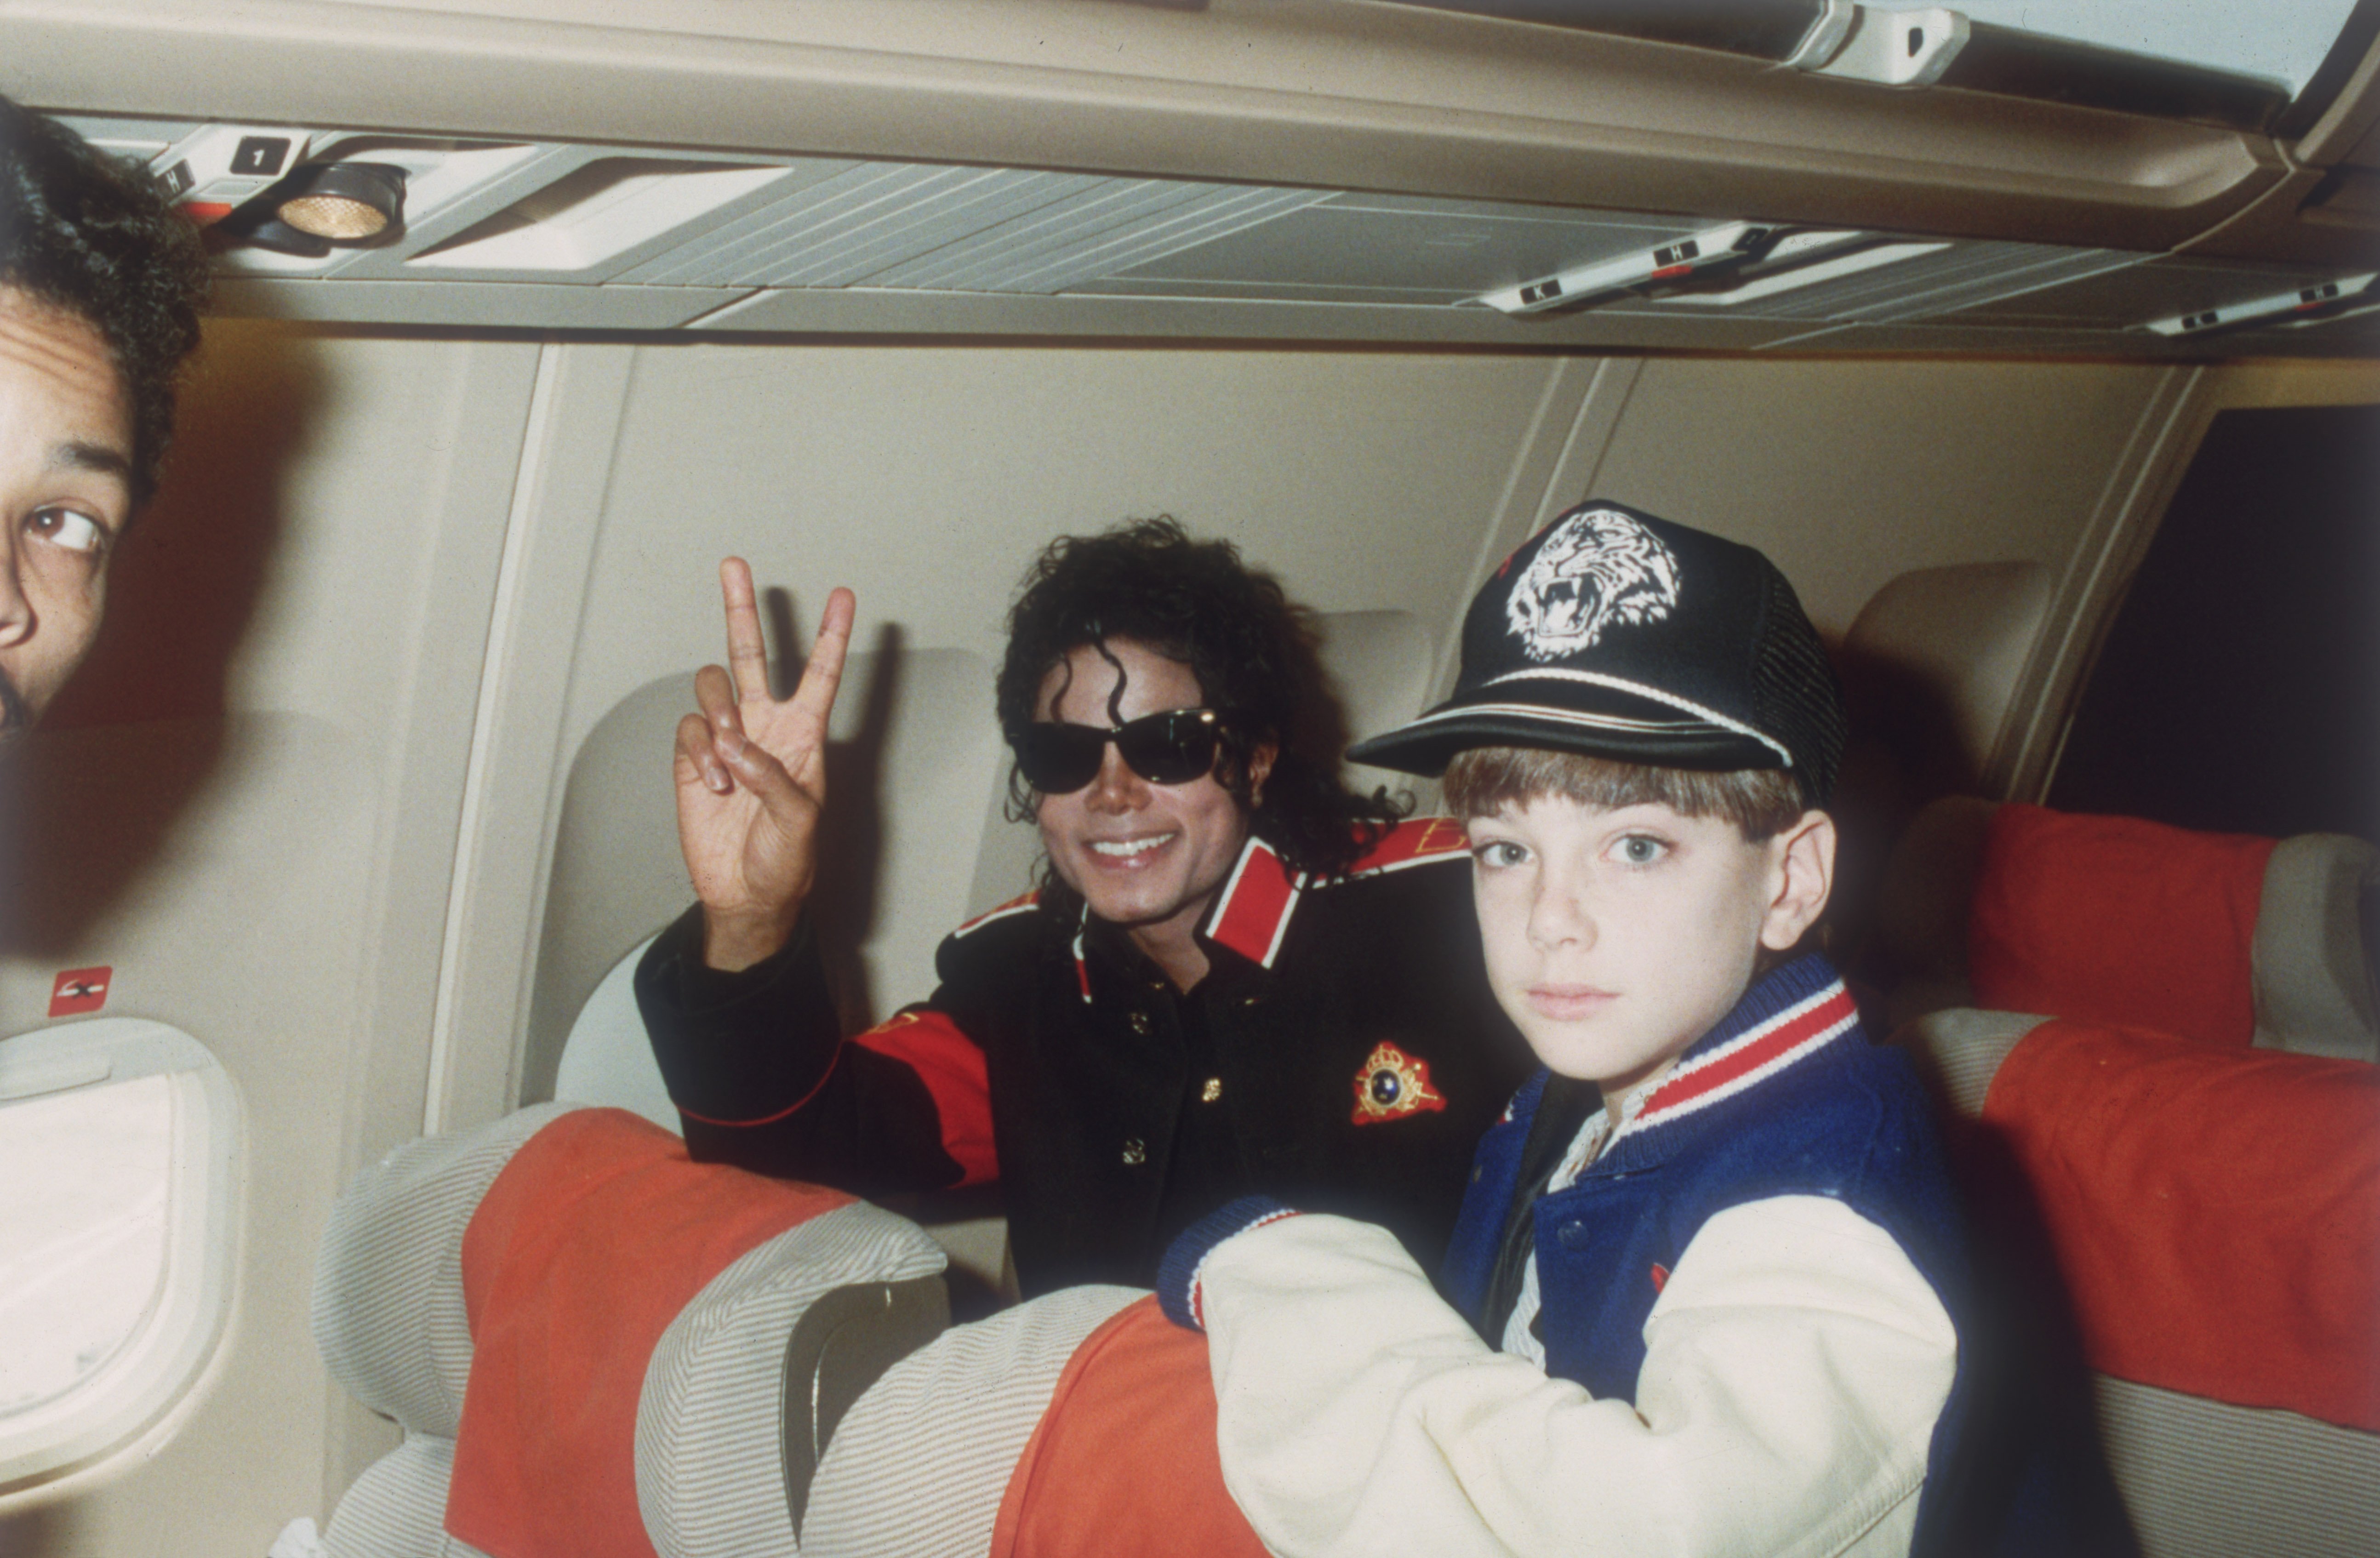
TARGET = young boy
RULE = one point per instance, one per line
(1713, 1244)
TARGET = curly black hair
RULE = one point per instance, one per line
(92, 235)
(1252, 651)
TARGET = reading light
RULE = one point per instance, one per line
(1726, 245)
(2309, 301)
(342, 203)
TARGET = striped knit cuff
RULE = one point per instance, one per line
(1185, 1258)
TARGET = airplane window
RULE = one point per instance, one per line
(82, 1220)
(2237, 686)
(119, 1143)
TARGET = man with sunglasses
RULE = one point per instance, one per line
(1236, 976)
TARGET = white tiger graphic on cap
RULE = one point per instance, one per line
(1599, 566)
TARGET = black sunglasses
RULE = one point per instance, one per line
(1169, 748)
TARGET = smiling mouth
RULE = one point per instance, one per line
(1128, 848)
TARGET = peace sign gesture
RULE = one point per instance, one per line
(750, 773)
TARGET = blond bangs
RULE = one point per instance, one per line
(1761, 802)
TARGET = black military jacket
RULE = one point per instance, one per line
(1344, 1054)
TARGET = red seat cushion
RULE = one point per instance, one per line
(580, 1255)
(2118, 920)
(1124, 1460)
(2215, 1212)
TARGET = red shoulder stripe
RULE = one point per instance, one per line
(1417, 841)
(1014, 905)
(947, 1061)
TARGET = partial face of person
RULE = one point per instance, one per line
(65, 464)
(1146, 856)
(1615, 938)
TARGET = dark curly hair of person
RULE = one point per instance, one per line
(90, 234)
(1253, 652)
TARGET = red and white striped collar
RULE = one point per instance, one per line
(1721, 1064)
(1251, 914)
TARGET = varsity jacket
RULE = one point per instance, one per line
(1750, 1307)
(1343, 1052)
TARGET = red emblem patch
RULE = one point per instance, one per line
(1390, 1084)
(78, 990)
(1661, 1276)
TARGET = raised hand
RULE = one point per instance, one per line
(752, 780)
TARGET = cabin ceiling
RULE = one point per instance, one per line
(1330, 170)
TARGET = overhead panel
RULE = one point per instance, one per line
(1930, 281)
(1073, 238)
(867, 216)
(557, 235)
(1347, 242)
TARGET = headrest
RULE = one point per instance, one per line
(1933, 659)
(1928, 887)
(619, 1291)
(388, 1283)
(942, 1437)
(2118, 920)
(396, 1507)
(2214, 1210)
(2315, 992)
(2222, 938)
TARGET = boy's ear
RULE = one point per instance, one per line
(1802, 874)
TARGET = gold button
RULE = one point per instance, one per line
(1139, 1021)
(1212, 1091)
(1135, 1153)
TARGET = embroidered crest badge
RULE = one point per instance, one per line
(1598, 568)
(1391, 1083)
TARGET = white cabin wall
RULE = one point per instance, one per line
(1848, 473)
(257, 775)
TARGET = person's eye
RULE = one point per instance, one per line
(68, 528)
(1641, 849)
(1498, 852)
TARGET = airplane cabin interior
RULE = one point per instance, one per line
(2044, 362)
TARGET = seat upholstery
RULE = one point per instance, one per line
(413, 1272)
(938, 1439)
(2209, 936)
(389, 1322)
(2216, 1213)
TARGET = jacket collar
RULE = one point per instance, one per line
(1251, 914)
(1787, 1016)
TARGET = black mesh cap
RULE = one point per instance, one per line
(1617, 635)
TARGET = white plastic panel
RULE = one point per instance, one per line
(120, 1201)
(996, 258)
(599, 211)
(873, 215)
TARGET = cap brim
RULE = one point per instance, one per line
(1608, 724)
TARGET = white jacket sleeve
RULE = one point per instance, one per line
(1795, 1364)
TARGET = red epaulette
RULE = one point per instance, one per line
(1417, 841)
(1014, 905)
(1251, 913)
